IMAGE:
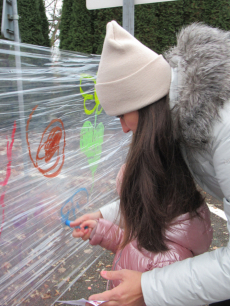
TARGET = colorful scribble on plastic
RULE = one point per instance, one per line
(75, 204)
(49, 147)
(91, 137)
(8, 173)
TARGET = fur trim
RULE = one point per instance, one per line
(202, 56)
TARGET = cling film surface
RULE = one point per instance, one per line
(59, 157)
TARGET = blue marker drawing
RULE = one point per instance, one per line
(67, 212)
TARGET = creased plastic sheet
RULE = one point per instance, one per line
(59, 157)
(83, 302)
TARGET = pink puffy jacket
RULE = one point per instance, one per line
(185, 237)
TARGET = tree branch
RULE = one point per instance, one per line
(50, 3)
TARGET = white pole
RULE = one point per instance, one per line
(128, 16)
(19, 83)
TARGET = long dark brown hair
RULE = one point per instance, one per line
(157, 185)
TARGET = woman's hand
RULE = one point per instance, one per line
(85, 220)
(128, 293)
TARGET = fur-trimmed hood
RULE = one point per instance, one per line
(202, 62)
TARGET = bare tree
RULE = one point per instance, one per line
(53, 11)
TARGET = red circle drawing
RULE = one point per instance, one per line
(49, 147)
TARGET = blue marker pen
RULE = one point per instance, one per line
(67, 222)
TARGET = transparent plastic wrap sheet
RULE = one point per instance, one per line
(59, 157)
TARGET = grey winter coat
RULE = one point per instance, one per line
(200, 103)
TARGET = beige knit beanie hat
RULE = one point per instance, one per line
(130, 75)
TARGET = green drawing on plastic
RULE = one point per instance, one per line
(91, 143)
(91, 137)
(90, 97)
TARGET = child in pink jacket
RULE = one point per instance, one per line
(185, 237)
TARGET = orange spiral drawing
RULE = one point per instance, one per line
(49, 147)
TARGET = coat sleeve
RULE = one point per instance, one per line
(194, 281)
(107, 235)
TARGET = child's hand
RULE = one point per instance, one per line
(93, 216)
(82, 232)
(85, 220)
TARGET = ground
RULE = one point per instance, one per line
(91, 282)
